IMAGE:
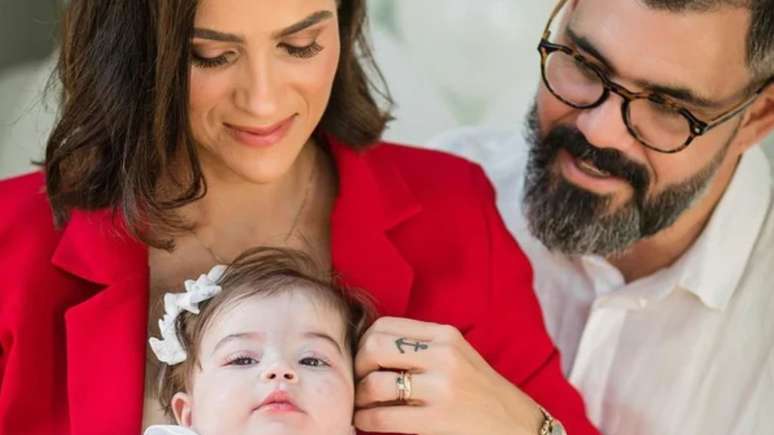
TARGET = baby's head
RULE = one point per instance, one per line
(270, 354)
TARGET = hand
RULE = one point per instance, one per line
(454, 390)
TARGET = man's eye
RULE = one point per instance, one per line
(313, 362)
(304, 52)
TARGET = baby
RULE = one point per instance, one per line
(263, 346)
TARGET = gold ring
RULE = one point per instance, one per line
(404, 386)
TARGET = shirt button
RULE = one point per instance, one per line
(643, 302)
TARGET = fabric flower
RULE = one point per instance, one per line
(169, 350)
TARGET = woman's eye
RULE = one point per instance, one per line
(242, 361)
(313, 362)
(303, 52)
(209, 62)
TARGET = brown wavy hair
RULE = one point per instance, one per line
(263, 272)
(123, 123)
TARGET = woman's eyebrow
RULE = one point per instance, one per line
(214, 35)
(307, 22)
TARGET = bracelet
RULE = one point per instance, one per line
(551, 426)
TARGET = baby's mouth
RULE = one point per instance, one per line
(278, 402)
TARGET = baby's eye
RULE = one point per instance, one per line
(242, 361)
(313, 362)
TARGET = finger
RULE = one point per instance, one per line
(382, 350)
(424, 331)
(392, 419)
(382, 387)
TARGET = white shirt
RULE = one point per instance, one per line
(687, 350)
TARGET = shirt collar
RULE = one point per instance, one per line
(713, 267)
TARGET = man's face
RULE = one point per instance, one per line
(592, 188)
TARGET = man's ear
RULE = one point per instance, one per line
(758, 121)
(181, 407)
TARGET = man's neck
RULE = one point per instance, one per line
(650, 255)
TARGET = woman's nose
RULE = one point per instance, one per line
(259, 92)
(280, 372)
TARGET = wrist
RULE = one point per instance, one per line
(549, 425)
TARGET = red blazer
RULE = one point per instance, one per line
(418, 229)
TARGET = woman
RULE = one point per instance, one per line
(190, 132)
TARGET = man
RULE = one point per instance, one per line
(646, 208)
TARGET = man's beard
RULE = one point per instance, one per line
(574, 221)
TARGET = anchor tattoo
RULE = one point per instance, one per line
(416, 345)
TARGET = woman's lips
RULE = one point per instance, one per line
(261, 136)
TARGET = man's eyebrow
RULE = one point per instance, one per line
(584, 44)
(325, 337)
(307, 22)
(217, 36)
(680, 93)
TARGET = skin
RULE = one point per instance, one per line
(254, 193)
(249, 72)
(259, 79)
(704, 53)
(291, 342)
(455, 391)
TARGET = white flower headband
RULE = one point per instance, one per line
(169, 350)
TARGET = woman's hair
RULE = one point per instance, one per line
(124, 69)
(262, 272)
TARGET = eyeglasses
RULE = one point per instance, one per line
(655, 120)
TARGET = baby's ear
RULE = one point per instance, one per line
(181, 407)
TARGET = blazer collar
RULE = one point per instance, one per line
(373, 199)
(106, 332)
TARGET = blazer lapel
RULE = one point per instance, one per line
(105, 333)
(364, 255)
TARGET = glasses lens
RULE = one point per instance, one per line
(572, 80)
(658, 125)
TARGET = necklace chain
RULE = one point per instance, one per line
(296, 218)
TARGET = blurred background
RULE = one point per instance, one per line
(449, 63)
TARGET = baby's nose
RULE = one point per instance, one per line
(280, 372)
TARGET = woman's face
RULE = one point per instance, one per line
(261, 77)
(272, 365)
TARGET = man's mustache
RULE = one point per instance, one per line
(609, 160)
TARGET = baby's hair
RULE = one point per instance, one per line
(265, 272)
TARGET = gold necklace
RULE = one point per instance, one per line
(296, 219)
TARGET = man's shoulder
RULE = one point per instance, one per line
(484, 145)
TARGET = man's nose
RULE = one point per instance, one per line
(604, 126)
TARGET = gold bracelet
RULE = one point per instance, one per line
(551, 426)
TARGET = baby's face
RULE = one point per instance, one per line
(270, 366)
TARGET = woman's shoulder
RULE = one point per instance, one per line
(430, 171)
(26, 206)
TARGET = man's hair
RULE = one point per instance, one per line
(263, 272)
(760, 38)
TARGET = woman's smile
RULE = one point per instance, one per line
(261, 136)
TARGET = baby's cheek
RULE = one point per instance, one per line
(335, 394)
